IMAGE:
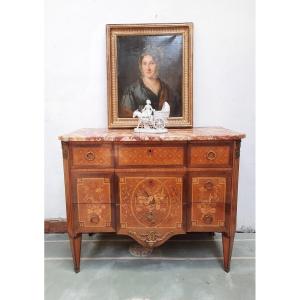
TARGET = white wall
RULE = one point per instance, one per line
(224, 87)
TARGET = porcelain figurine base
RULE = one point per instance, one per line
(150, 130)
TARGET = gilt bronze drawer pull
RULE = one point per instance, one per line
(208, 219)
(211, 155)
(95, 219)
(90, 156)
(208, 185)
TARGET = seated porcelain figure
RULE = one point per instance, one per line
(148, 110)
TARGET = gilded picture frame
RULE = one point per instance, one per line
(149, 61)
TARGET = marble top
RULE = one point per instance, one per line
(191, 134)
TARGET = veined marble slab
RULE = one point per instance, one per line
(192, 134)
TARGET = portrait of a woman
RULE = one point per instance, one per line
(150, 86)
(149, 62)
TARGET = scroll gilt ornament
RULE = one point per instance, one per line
(151, 237)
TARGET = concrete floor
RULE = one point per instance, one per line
(185, 268)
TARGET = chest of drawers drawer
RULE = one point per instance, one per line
(92, 156)
(151, 208)
(209, 189)
(150, 155)
(95, 188)
(210, 155)
(94, 217)
(203, 215)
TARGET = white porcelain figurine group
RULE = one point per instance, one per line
(151, 120)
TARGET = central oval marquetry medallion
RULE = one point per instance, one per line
(150, 202)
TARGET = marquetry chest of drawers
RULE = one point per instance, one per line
(151, 186)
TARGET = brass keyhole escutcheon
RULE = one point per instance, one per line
(90, 156)
(211, 155)
(208, 185)
(150, 151)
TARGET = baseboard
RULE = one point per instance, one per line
(56, 226)
(246, 229)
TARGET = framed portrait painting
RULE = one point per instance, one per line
(149, 62)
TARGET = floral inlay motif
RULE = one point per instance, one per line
(150, 202)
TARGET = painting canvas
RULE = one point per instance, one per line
(149, 62)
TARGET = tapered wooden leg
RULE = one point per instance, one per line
(76, 249)
(227, 250)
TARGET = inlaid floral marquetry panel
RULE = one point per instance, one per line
(151, 208)
(208, 202)
(93, 190)
(150, 155)
(204, 214)
(208, 189)
(94, 215)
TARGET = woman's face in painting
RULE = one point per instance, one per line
(149, 67)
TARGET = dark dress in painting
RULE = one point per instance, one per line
(136, 94)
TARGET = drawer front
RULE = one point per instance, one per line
(209, 189)
(150, 156)
(92, 217)
(151, 208)
(208, 202)
(93, 188)
(99, 157)
(210, 156)
(207, 215)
